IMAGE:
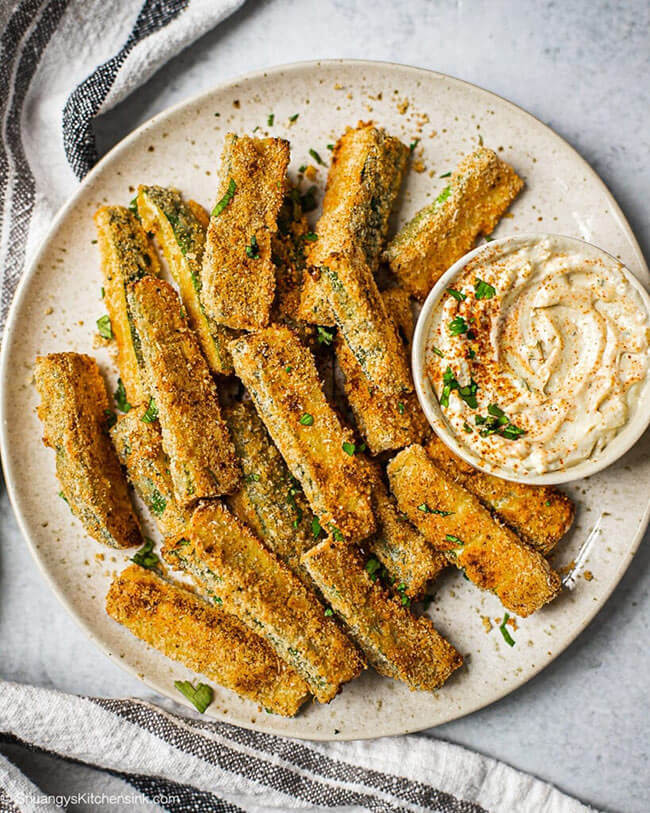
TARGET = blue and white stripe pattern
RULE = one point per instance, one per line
(183, 764)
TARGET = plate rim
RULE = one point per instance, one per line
(32, 266)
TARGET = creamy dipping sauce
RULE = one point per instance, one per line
(539, 354)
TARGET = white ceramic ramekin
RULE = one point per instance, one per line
(623, 441)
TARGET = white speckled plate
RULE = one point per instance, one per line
(58, 303)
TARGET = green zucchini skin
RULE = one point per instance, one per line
(269, 499)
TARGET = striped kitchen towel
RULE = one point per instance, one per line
(176, 763)
(63, 63)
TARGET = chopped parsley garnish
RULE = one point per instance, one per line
(338, 536)
(458, 326)
(252, 478)
(294, 117)
(330, 147)
(504, 631)
(483, 290)
(414, 144)
(120, 397)
(253, 250)
(63, 497)
(426, 510)
(288, 368)
(329, 611)
(291, 500)
(111, 418)
(438, 351)
(316, 156)
(104, 326)
(404, 599)
(454, 539)
(547, 503)
(225, 200)
(442, 197)
(467, 428)
(200, 697)
(133, 207)
(400, 407)
(457, 294)
(101, 292)
(489, 239)
(349, 448)
(373, 566)
(471, 354)
(324, 336)
(302, 168)
(311, 237)
(497, 422)
(307, 419)
(270, 119)
(467, 392)
(480, 140)
(315, 527)
(158, 503)
(445, 175)
(145, 557)
(151, 413)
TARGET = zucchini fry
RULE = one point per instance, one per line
(206, 639)
(127, 255)
(364, 324)
(139, 448)
(237, 571)
(238, 274)
(397, 643)
(74, 411)
(363, 182)
(453, 520)
(201, 455)
(410, 560)
(386, 422)
(281, 377)
(269, 500)
(480, 190)
(538, 514)
(180, 230)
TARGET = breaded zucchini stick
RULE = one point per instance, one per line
(180, 230)
(253, 584)
(206, 639)
(201, 455)
(238, 274)
(363, 182)
(74, 410)
(282, 380)
(269, 499)
(127, 256)
(397, 643)
(540, 515)
(364, 324)
(480, 190)
(139, 448)
(453, 520)
(410, 560)
(385, 421)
